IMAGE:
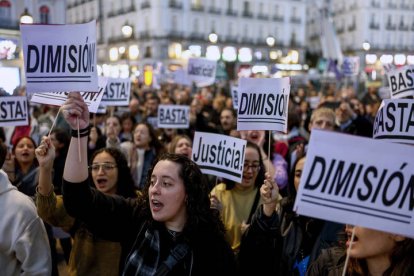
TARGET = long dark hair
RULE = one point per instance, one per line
(199, 214)
(401, 258)
(16, 163)
(124, 183)
(260, 175)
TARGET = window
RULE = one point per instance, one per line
(230, 5)
(5, 9)
(246, 7)
(195, 26)
(44, 15)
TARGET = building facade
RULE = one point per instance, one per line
(165, 33)
(378, 31)
(11, 12)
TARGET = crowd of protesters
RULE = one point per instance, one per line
(124, 197)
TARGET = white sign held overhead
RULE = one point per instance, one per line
(219, 155)
(350, 66)
(202, 71)
(173, 116)
(359, 181)
(92, 99)
(234, 94)
(60, 57)
(401, 81)
(395, 121)
(117, 92)
(13, 111)
(263, 104)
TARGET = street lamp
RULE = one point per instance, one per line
(366, 46)
(26, 17)
(270, 41)
(127, 30)
(213, 37)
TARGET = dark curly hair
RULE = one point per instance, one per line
(260, 175)
(199, 214)
(125, 183)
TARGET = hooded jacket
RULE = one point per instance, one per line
(24, 246)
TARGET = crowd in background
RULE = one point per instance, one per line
(261, 228)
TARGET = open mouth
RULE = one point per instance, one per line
(156, 205)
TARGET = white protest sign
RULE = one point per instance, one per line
(401, 82)
(173, 116)
(219, 155)
(384, 92)
(395, 121)
(350, 66)
(202, 71)
(153, 121)
(234, 94)
(117, 92)
(13, 111)
(60, 57)
(360, 181)
(263, 104)
(92, 99)
(180, 77)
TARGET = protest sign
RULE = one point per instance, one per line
(13, 111)
(153, 121)
(173, 116)
(234, 94)
(395, 121)
(179, 76)
(92, 99)
(263, 104)
(202, 71)
(359, 181)
(350, 66)
(219, 155)
(60, 57)
(401, 81)
(117, 92)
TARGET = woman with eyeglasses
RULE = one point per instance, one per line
(168, 230)
(110, 174)
(237, 202)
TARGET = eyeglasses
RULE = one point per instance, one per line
(254, 167)
(104, 166)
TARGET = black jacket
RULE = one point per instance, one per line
(117, 219)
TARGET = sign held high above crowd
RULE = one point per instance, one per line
(117, 92)
(346, 179)
(219, 155)
(13, 111)
(401, 81)
(263, 104)
(60, 57)
(395, 121)
(201, 71)
(173, 116)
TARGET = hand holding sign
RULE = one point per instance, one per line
(75, 108)
(270, 195)
(45, 153)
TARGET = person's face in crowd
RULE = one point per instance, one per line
(357, 106)
(322, 122)
(255, 136)
(25, 151)
(151, 106)
(127, 125)
(342, 113)
(251, 168)
(113, 122)
(298, 172)
(227, 120)
(142, 136)
(134, 106)
(184, 147)
(167, 195)
(371, 244)
(104, 173)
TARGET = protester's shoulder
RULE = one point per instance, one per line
(220, 188)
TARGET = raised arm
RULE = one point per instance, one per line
(76, 113)
(45, 154)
